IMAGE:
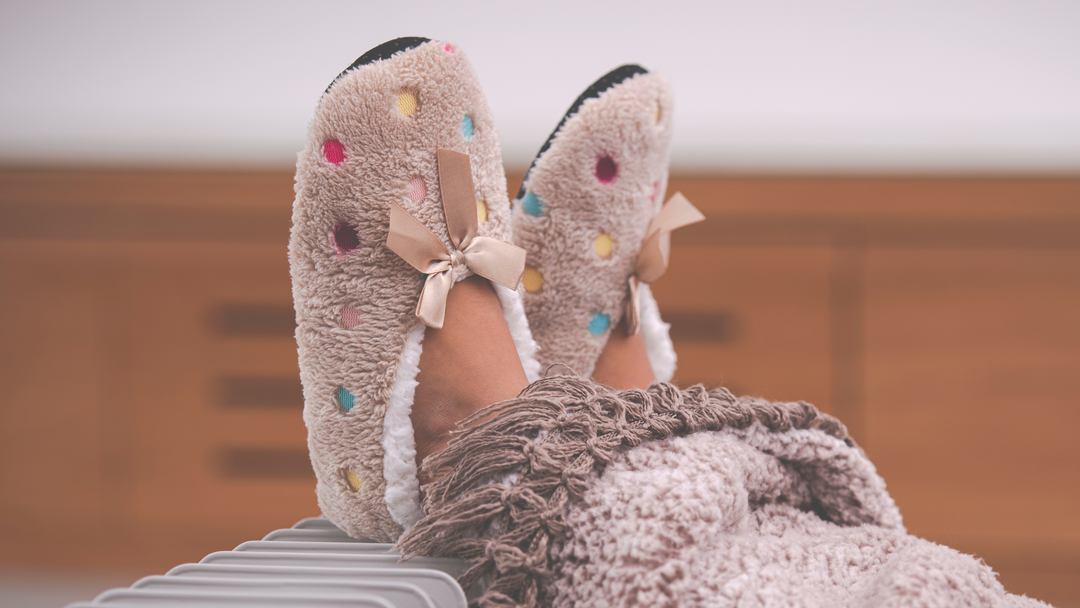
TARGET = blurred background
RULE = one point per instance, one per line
(893, 234)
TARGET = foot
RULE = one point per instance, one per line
(468, 364)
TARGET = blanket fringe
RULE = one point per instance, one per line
(548, 440)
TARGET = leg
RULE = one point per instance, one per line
(468, 364)
(623, 363)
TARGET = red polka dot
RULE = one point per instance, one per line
(333, 151)
(345, 238)
(606, 169)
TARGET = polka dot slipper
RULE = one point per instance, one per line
(400, 192)
(589, 216)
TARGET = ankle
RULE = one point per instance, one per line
(624, 362)
(467, 365)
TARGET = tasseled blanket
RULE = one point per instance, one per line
(574, 495)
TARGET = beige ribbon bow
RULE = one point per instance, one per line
(495, 260)
(652, 262)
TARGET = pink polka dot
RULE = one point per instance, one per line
(350, 317)
(417, 189)
(333, 151)
(606, 169)
(655, 191)
(449, 49)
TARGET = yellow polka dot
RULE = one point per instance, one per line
(602, 244)
(532, 279)
(481, 211)
(407, 103)
(353, 479)
(656, 112)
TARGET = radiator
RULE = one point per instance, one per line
(311, 564)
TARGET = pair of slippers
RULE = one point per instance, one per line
(401, 192)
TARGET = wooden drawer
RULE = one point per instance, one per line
(726, 320)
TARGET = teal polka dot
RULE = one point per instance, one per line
(345, 398)
(466, 126)
(599, 323)
(532, 205)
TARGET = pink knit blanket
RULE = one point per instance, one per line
(573, 495)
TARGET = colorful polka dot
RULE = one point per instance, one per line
(532, 204)
(602, 245)
(656, 112)
(466, 127)
(345, 399)
(532, 279)
(599, 323)
(481, 211)
(352, 479)
(606, 169)
(417, 189)
(449, 48)
(333, 151)
(655, 191)
(345, 238)
(407, 103)
(350, 317)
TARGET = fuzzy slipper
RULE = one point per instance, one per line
(589, 213)
(400, 192)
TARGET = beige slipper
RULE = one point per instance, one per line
(405, 133)
(589, 215)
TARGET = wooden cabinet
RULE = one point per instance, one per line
(149, 394)
(136, 428)
(972, 386)
(938, 318)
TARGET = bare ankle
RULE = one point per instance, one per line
(468, 364)
(624, 362)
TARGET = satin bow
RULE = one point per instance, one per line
(652, 262)
(495, 260)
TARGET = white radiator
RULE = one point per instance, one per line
(311, 564)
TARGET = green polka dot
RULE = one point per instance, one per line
(599, 324)
(532, 204)
(345, 398)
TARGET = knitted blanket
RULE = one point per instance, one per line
(575, 495)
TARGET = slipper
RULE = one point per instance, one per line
(400, 192)
(589, 214)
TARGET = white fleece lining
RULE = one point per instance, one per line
(398, 441)
(658, 346)
(514, 312)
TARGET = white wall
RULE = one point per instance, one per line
(789, 85)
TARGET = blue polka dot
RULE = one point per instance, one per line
(466, 127)
(599, 323)
(345, 398)
(532, 205)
